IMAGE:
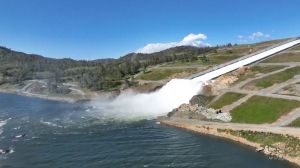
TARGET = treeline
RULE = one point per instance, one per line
(103, 74)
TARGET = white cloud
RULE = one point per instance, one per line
(252, 37)
(240, 36)
(242, 39)
(194, 37)
(189, 40)
(258, 35)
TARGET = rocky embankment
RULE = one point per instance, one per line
(273, 152)
(195, 111)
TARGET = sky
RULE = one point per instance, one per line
(94, 29)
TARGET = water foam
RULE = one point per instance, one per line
(50, 123)
(2, 123)
(131, 105)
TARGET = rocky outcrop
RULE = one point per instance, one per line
(272, 151)
(187, 111)
(201, 100)
(195, 111)
(212, 114)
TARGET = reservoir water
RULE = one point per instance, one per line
(59, 134)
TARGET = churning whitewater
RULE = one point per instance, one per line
(176, 92)
(130, 105)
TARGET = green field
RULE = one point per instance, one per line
(295, 123)
(259, 110)
(159, 74)
(266, 69)
(277, 78)
(284, 57)
(226, 99)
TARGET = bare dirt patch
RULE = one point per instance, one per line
(293, 90)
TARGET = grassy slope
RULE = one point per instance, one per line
(259, 110)
(226, 99)
(296, 48)
(180, 63)
(295, 123)
(266, 69)
(284, 57)
(258, 69)
(277, 78)
(229, 53)
(159, 74)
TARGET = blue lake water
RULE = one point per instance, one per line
(59, 134)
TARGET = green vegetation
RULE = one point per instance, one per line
(277, 78)
(296, 48)
(291, 145)
(105, 74)
(7, 86)
(295, 123)
(266, 69)
(222, 58)
(198, 62)
(259, 110)
(284, 57)
(259, 137)
(256, 70)
(159, 74)
(226, 99)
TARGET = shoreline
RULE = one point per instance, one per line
(208, 128)
(45, 97)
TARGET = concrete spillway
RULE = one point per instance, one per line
(233, 65)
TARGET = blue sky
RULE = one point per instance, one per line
(93, 29)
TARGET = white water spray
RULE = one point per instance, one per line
(173, 94)
(130, 105)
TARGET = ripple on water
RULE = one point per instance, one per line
(2, 124)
